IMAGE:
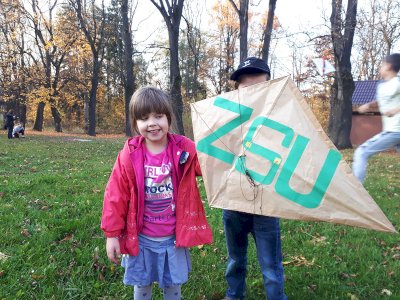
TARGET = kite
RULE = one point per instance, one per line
(262, 151)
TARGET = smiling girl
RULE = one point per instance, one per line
(152, 207)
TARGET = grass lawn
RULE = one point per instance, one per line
(51, 193)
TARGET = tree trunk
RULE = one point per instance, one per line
(340, 116)
(86, 110)
(244, 24)
(129, 85)
(22, 115)
(172, 18)
(57, 118)
(92, 97)
(38, 125)
(176, 79)
(243, 14)
(268, 30)
(96, 43)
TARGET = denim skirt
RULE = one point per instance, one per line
(157, 261)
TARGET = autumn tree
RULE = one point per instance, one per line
(92, 22)
(222, 50)
(52, 47)
(342, 32)
(74, 91)
(13, 62)
(171, 11)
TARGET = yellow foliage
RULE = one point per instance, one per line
(225, 15)
(320, 107)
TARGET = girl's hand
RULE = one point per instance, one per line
(113, 250)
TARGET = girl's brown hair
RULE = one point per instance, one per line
(148, 100)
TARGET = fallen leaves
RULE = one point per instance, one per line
(25, 232)
(39, 204)
(3, 256)
(352, 296)
(67, 238)
(36, 277)
(386, 292)
(312, 287)
(319, 240)
(396, 256)
(97, 266)
(298, 261)
(347, 276)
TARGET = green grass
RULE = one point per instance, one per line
(51, 193)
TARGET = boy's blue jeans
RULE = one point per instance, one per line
(378, 143)
(266, 233)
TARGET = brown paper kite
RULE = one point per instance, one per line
(262, 151)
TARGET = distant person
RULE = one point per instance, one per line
(388, 102)
(18, 131)
(152, 207)
(10, 123)
(264, 229)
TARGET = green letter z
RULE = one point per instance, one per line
(205, 144)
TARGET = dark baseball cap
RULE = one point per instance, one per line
(251, 65)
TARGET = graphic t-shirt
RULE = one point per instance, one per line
(159, 205)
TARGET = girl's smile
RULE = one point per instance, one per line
(154, 128)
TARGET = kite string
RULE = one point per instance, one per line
(253, 185)
(250, 180)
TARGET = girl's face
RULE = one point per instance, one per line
(154, 128)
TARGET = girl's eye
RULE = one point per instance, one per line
(144, 118)
(159, 116)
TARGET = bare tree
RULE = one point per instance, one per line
(95, 35)
(171, 10)
(342, 33)
(268, 30)
(243, 13)
(194, 51)
(389, 24)
(378, 29)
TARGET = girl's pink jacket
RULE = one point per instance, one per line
(124, 196)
